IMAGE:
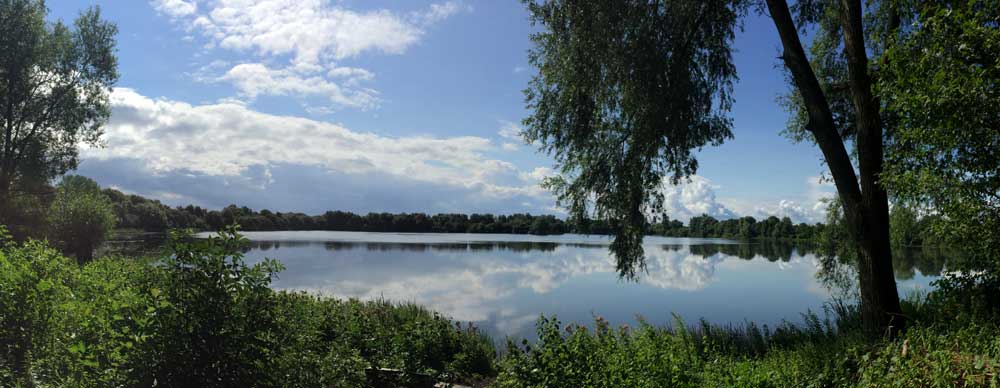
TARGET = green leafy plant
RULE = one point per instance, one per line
(81, 217)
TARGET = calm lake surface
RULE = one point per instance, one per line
(503, 282)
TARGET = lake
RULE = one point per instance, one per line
(503, 282)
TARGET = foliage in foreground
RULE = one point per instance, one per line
(954, 340)
(80, 218)
(941, 84)
(202, 317)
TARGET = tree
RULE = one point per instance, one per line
(627, 88)
(941, 84)
(835, 104)
(905, 226)
(81, 217)
(625, 91)
(54, 82)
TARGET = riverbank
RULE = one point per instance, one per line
(200, 316)
(948, 344)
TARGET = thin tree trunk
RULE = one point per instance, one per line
(5, 198)
(865, 206)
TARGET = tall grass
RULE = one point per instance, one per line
(200, 316)
(819, 351)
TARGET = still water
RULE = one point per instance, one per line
(503, 282)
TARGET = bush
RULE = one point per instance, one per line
(936, 356)
(935, 352)
(81, 217)
(647, 357)
(35, 284)
(200, 316)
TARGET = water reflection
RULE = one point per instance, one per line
(517, 246)
(504, 282)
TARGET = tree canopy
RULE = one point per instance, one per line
(625, 92)
(54, 83)
(941, 85)
(81, 217)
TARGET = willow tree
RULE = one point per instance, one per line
(625, 92)
(54, 82)
(626, 89)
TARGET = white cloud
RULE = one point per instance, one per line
(692, 199)
(175, 8)
(510, 146)
(226, 139)
(312, 35)
(510, 130)
(784, 208)
(439, 12)
(353, 75)
(810, 207)
(308, 30)
(254, 79)
(818, 190)
(538, 174)
(475, 290)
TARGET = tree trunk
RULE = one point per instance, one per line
(865, 206)
(880, 308)
(84, 253)
(5, 198)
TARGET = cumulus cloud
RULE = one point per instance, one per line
(175, 8)
(693, 198)
(254, 79)
(785, 208)
(538, 174)
(314, 35)
(308, 30)
(811, 208)
(231, 140)
(510, 130)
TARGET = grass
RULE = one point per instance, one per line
(200, 316)
(942, 348)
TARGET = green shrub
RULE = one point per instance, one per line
(410, 338)
(81, 217)
(105, 327)
(215, 325)
(815, 353)
(936, 356)
(646, 357)
(35, 284)
(202, 317)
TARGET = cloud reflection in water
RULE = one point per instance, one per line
(505, 285)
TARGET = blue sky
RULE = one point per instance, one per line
(393, 106)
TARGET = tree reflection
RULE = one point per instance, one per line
(837, 265)
(770, 250)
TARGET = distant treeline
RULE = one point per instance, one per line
(136, 212)
(739, 228)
